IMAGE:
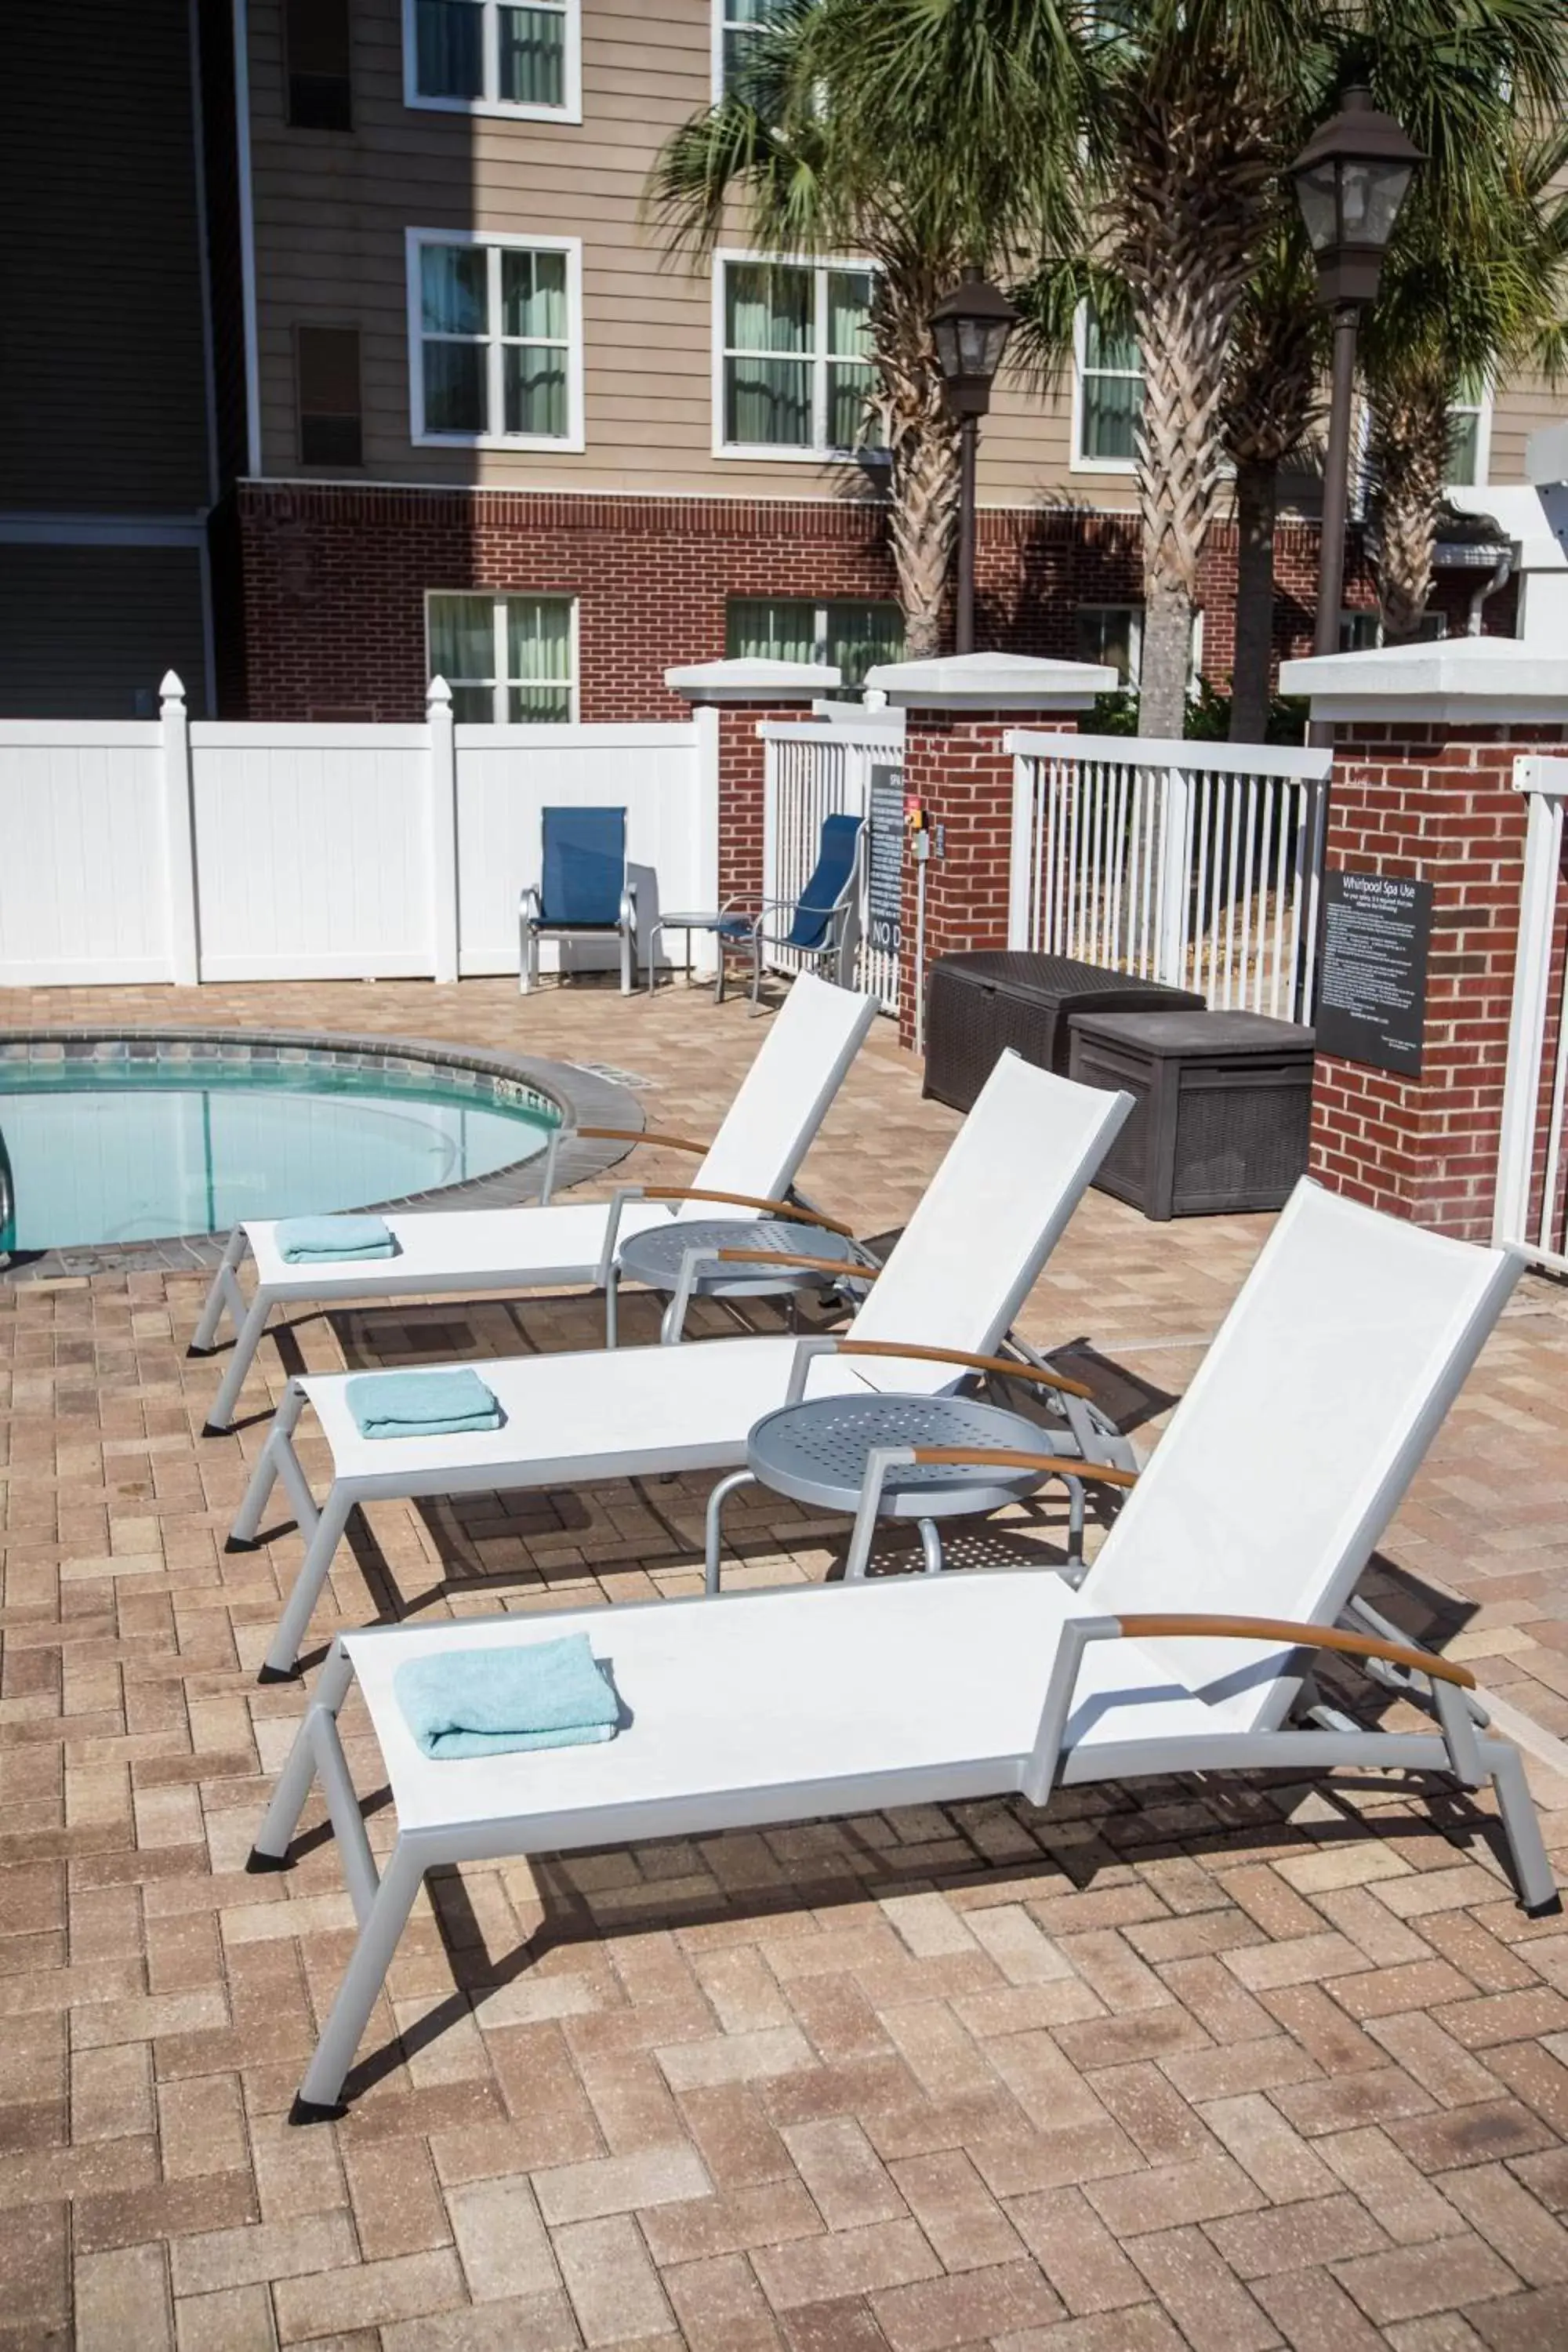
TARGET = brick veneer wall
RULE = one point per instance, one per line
(324, 602)
(956, 765)
(742, 765)
(1430, 802)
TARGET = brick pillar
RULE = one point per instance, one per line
(745, 696)
(961, 715)
(1425, 742)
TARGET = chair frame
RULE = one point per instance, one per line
(533, 926)
(834, 960)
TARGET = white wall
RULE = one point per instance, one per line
(165, 851)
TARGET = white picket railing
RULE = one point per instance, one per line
(1196, 864)
(813, 769)
(1532, 1209)
(163, 850)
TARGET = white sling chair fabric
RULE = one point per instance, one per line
(961, 1270)
(1278, 1472)
(765, 1134)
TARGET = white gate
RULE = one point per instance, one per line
(1532, 1212)
(1197, 864)
(817, 771)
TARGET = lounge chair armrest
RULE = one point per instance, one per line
(1049, 1466)
(796, 1215)
(641, 1135)
(1041, 1378)
(789, 1257)
(1144, 1627)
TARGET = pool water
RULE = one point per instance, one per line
(105, 1151)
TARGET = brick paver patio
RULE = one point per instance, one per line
(1219, 2064)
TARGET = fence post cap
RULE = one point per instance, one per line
(1484, 680)
(171, 691)
(743, 679)
(437, 695)
(990, 681)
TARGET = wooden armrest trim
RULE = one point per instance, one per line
(787, 1257)
(998, 1364)
(1013, 1458)
(640, 1135)
(1300, 1637)
(749, 1200)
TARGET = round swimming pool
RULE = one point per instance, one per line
(127, 1140)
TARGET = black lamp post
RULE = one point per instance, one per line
(1351, 179)
(971, 326)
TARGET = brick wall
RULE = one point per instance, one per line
(1420, 800)
(742, 763)
(956, 766)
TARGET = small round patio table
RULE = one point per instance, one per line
(819, 1453)
(706, 919)
(663, 1259)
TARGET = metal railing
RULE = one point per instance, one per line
(1531, 1210)
(1196, 864)
(811, 771)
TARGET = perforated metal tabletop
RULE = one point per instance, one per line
(816, 1452)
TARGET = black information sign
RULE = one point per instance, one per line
(1371, 996)
(885, 870)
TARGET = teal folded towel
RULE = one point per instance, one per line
(500, 1701)
(422, 1404)
(301, 1239)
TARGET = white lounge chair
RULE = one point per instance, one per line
(1280, 1468)
(748, 1167)
(964, 1266)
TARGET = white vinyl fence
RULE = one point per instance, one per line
(1196, 864)
(833, 767)
(220, 850)
(1531, 1211)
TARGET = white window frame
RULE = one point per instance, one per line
(1076, 462)
(1134, 633)
(777, 452)
(719, 15)
(511, 110)
(501, 685)
(496, 241)
(1481, 409)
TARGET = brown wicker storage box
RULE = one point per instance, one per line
(1224, 1106)
(981, 1002)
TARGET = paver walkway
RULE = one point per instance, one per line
(1202, 2065)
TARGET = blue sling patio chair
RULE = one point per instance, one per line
(820, 930)
(584, 890)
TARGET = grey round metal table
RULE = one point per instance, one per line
(723, 925)
(831, 1453)
(681, 1258)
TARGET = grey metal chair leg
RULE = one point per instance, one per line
(612, 1307)
(281, 1818)
(1522, 1826)
(716, 1502)
(220, 1413)
(283, 1654)
(931, 1545)
(247, 1519)
(219, 1296)
(320, 2093)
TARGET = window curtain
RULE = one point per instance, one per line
(463, 651)
(452, 302)
(851, 381)
(532, 55)
(861, 636)
(1112, 390)
(539, 659)
(770, 629)
(533, 367)
(450, 37)
(768, 314)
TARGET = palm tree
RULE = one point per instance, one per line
(925, 138)
(1475, 285)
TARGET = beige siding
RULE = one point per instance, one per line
(331, 212)
(102, 385)
(84, 631)
(1518, 411)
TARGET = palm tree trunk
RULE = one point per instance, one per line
(1167, 657)
(923, 524)
(1256, 499)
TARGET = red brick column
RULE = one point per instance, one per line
(958, 767)
(1431, 799)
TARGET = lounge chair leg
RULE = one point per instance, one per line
(206, 1332)
(283, 1656)
(1075, 1487)
(220, 1413)
(931, 1545)
(242, 1534)
(1533, 1870)
(716, 1502)
(612, 1307)
(320, 2096)
(273, 1838)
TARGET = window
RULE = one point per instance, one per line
(486, 56)
(795, 358)
(1113, 635)
(495, 355)
(736, 24)
(1470, 435)
(1108, 395)
(320, 83)
(851, 637)
(1359, 630)
(510, 661)
(326, 373)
